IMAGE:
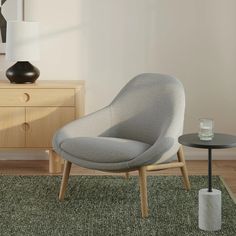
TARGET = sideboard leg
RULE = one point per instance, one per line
(54, 162)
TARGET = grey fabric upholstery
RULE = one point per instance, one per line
(104, 149)
(148, 110)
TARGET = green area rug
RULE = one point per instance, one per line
(105, 205)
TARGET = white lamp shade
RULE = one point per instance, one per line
(22, 42)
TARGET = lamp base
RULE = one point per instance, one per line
(22, 72)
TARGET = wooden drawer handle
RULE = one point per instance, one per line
(26, 126)
(26, 97)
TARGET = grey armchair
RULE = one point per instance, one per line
(137, 131)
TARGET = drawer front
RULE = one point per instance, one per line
(37, 97)
(12, 132)
(43, 122)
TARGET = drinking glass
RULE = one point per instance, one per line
(206, 129)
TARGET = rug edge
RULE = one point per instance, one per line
(231, 194)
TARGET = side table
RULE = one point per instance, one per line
(209, 217)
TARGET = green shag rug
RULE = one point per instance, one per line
(106, 205)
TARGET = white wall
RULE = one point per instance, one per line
(107, 42)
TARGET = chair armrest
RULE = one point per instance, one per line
(166, 145)
(94, 124)
(161, 151)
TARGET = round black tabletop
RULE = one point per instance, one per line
(219, 141)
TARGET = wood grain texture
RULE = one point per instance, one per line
(4, 83)
(12, 127)
(44, 122)
(54, 162)
(165, 166)
(64, 182)
(37, 97)
(80, 101)
(226, 169)
(143, 191)
(184, 171)
(30, 114)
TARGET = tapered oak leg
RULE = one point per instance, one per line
(127, 175)
(143, 191)
(65, 177)
(184, 171)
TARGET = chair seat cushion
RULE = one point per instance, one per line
(103, 149)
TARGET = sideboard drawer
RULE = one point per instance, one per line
(12, 132)
(50, 118)
(37, 97)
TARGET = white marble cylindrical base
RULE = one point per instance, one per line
(209, 211)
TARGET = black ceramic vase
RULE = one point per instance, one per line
(22, 72)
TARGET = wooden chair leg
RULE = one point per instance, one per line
(143, 191)
(127, 175)
(184, 171)
(66, 173)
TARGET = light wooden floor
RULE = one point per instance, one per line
(226, 169)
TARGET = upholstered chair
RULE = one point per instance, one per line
(139, 130)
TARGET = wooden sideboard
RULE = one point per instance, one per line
(30, 114)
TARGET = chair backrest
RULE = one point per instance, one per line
(145, 105)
